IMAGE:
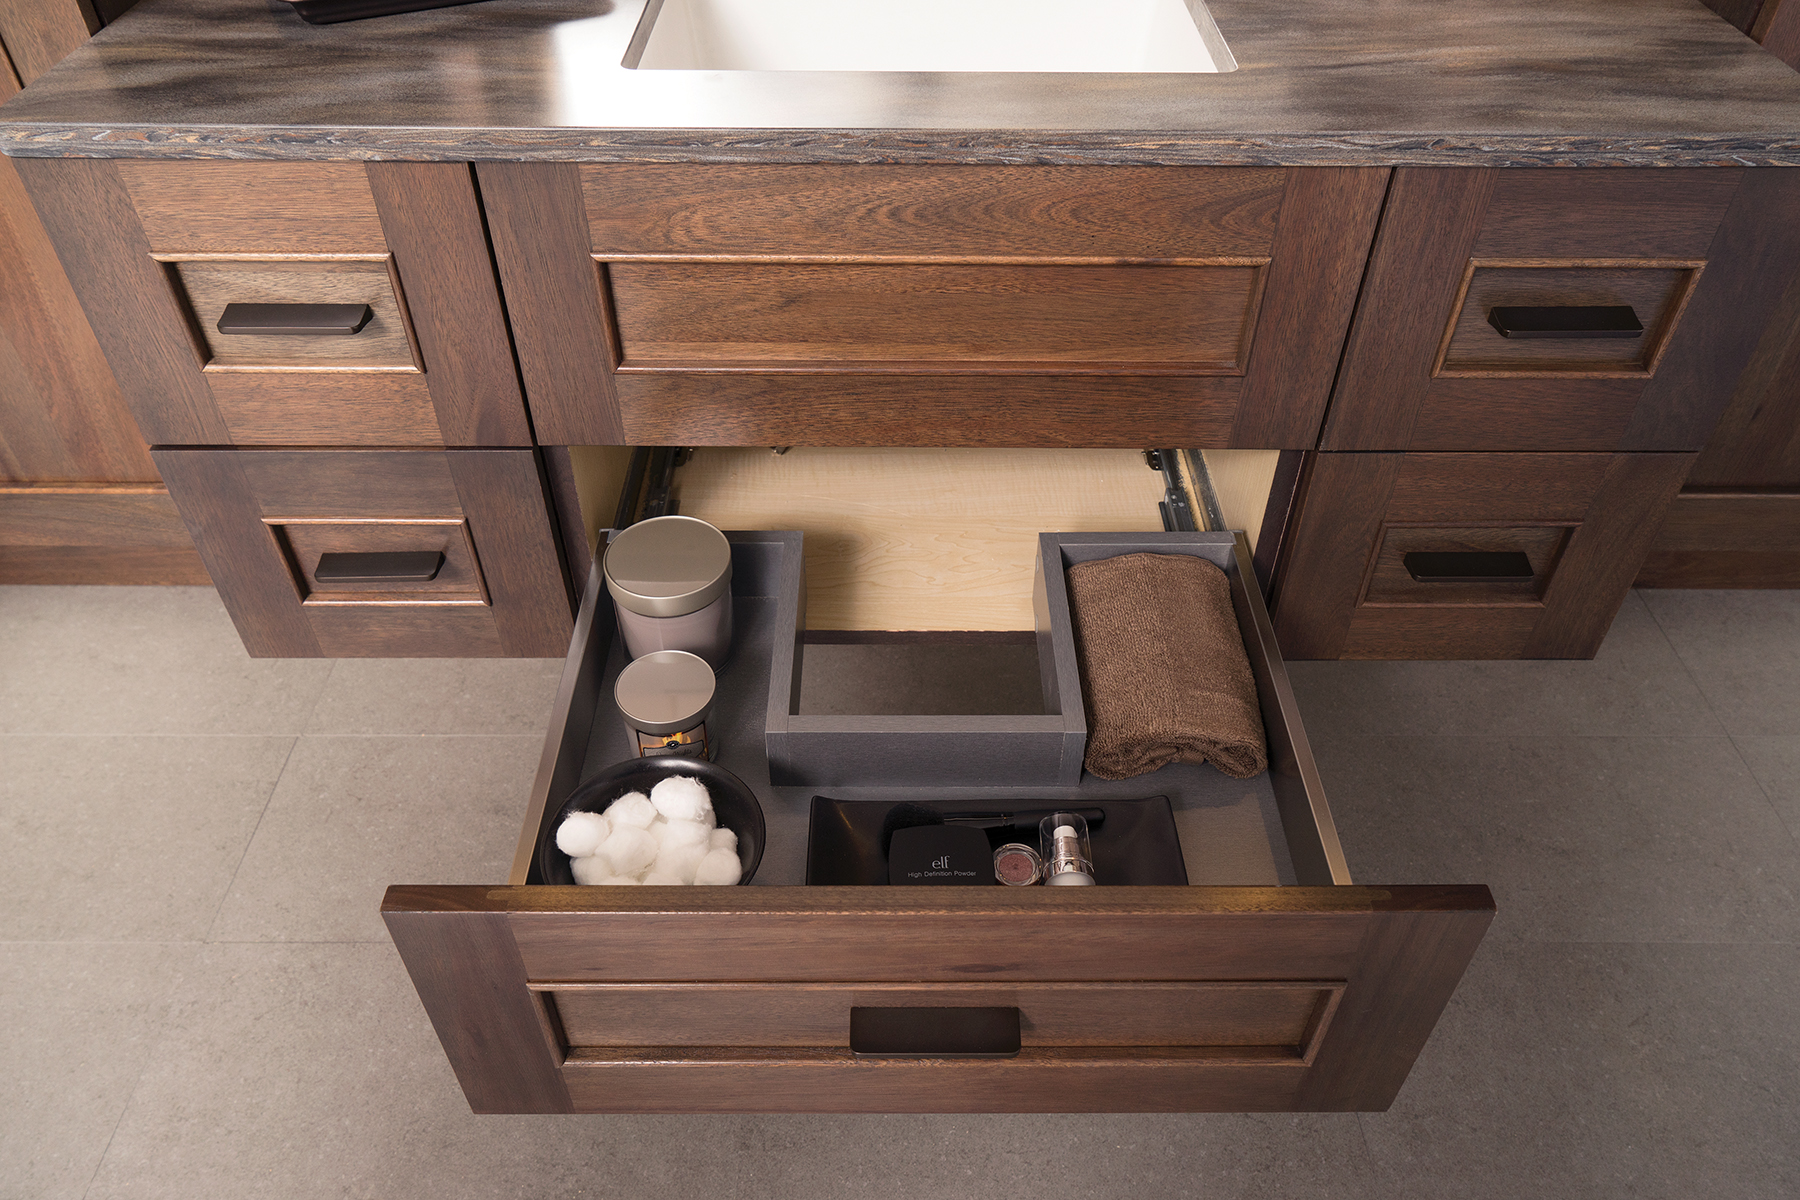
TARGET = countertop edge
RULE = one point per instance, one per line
(994, 147)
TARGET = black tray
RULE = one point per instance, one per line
(1137, 844)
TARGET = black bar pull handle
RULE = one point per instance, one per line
(401, 566)
(1469, 566)
(289, 320)
(1567, 321)
(934, 1032)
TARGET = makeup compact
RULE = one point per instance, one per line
(940, 854)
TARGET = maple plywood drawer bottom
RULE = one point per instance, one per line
(1270, 983)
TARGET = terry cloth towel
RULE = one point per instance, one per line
(1163, 669)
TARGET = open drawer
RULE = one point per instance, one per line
(1270, 983)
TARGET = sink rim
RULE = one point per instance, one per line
(1224, 62)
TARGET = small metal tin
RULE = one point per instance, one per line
(665, 697)
(1018, 865)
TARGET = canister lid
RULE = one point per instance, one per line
(668, 566)
(665, 691)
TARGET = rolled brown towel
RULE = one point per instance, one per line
(1163, 670)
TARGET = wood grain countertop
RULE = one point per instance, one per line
(1347, 82)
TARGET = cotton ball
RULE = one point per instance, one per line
(679, 861)
(620, 881)
(633, 809)
(681, 798)
(663, 879)
(591, 869)
(581, 834)
(630, 850)
(685, 833)
(719, 867)
(724, 839)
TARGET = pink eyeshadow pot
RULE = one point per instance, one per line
(1018, 865)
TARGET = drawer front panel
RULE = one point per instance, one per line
(158, 250)
(944, 212)
(1455, 245)
(262, 520)
(1276, 1017)
(1582, 522)
(824, 317)
(926, 293)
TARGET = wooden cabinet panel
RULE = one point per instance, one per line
(262, 519)
(156, 250)
(1141, 1002)
(1688, 250)
(1583, 522)
(849, 305)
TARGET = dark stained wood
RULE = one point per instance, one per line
(1476, 347)
(561, 320)
(1741, 13)
(1605, 553)
(325, 408)
(220, 508)
(1283, 491)
(1605, 214)
(1752, 261)
(845, 316)
(405, 631)
(508, 505)
(944, 948)
(351, 483)
(457, 579)
(211, 284)
(1525, 414)
(136, 318)
(1756, 442)
(983, 212)
(1427, 233)
(1521, 488)
(1407, 968)
(36, 34)
(565, 503)
(939, 410)
(254, 207)
(1452, 632)
(124, 534)
(1344, 593)
(1726, 540)
(469, 977)
(1341, 503)
(1778, 29)
(62, 417)
(1326, 225)
(9, 78)
(1272, 1015)
(433, 224)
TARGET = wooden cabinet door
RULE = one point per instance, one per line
(1577, 526)
(1700, 256)
(695, 304)
(265, 520)
(158, 250)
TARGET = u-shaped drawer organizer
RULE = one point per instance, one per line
(1271, 982)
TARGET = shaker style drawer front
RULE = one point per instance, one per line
(377, 553)
(290, 303)
(1547, 310)
(889, 305)
(1467, 555)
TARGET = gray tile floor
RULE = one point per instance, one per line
(198, 1000)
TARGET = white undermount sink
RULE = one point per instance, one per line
(929, 35)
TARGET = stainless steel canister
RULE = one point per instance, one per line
(670, 580)
(666, 697)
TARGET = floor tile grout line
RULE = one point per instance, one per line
(1686, 668)
(249, 841)
(1763, 788)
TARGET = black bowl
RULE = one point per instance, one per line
(735, 807)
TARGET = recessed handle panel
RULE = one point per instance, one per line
(1567, 321)
(934, 1032)
(1469, 566)
(409, 566)
(289, 320)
